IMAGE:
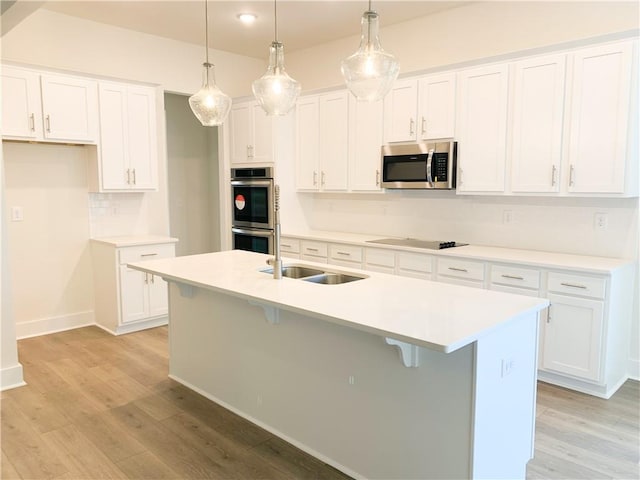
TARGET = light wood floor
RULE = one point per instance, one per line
(98, 406)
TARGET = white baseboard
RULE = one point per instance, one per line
(44, 326)
(634, 368)
(11, 377)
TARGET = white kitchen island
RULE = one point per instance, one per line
(385, 377)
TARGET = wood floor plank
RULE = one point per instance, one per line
(7, 470)
(146, 466)
(41, 413)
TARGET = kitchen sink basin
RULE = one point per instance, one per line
(296, 271)
(333, 278)
(309, 274)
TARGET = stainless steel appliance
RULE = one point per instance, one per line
(252, 220)
(420, 165)
(417, 243)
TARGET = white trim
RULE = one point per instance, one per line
(634, 369)
(11, 377)
(44, 326)
(136, 326)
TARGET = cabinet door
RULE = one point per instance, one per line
(158, 296)
(21, 108)
(400, 112)
(481, 128)
(240, 132)
(70, 108)
(307, 144)
(133, 294)
(142, 137)
(261, 146)
(365, 140)
(537, 124)
(599, 119)
(573, 336)
(334, 146)
(437, 106)
(114, 155)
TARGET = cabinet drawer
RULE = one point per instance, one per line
(415, 262)
(515, 276)
(145, 252)
(289, 245)
(349, 253)
(461, 268)
(316, 249)
(381, 258)
(577, 285)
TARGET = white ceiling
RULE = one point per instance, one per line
(301, 23)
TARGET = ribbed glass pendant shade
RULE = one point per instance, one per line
(276, 91)
(370, 72)
(210, 104)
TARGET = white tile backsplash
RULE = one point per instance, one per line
(114, 214)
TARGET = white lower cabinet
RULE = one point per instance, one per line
(345, 255)
(313, 251)
(290, 247)
(128, 300)
(379, 260)
(414, 265)
(469, 273)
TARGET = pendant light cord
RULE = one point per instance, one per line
(275, 17)
(206, 30)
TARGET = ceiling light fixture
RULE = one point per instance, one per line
(210, 105)
(275, 90)
(370, 72)
(247, 18)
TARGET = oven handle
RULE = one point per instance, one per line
(251, 183)
(252, 231)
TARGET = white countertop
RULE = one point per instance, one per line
(134, 240)
(534, 258)
(435, 315)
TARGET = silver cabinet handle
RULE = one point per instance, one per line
(146, 277)
(250, 151)
(347, 254)
(377, 178)
(322, 178)
(134, 176)
(553, 176)
(148, 254)
(285, 245)
(460, 180)
(315, 178)
(571, 180)
(312, 249)
(128, 176)
(32, 122)
(424, 125)
(514, 277)
(573, 285)
(455, 269)
(153, 279)
(411, 125)
(48, 123)
(549, 314)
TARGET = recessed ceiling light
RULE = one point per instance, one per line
(247, 18)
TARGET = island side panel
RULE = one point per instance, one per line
(505, 409)
(342, 395)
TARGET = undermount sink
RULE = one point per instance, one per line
(315, 275)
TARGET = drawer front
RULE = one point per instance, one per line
(381, 258)
(581, 285)
(349, 253)
(515, 276)
(315, 249)
(461, 269)
(289, 245)
(145, 252)
(415, 262)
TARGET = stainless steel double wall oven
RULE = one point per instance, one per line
(252, 200)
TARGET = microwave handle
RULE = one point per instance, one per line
(429, 160)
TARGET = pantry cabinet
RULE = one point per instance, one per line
(128, 300)
(251, 134)
(127, 158)
(481, 129)
(536, 130)
(599, 120)
(46, 107)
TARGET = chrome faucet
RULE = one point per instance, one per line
(276, 262)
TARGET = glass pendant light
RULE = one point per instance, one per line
(210, 105)
(276, 91)
(370, 72)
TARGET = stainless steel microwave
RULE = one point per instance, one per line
(420, 165)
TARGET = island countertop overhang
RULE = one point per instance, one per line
(434, 315)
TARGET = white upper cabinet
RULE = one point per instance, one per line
(322, 149)
(251, 134)
(365, 141)
(128, 157)
(437, 106)
(46, 107)
(599, 119)
(401, 111)
(481, 128)
(538, 106)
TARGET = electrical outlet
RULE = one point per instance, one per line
(507, 367)
(507, 217)
(352, 380)
(601, 221)
(17, 214)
